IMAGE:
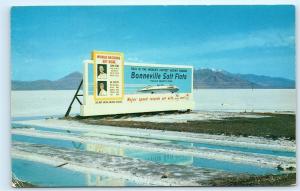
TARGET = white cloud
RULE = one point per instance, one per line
(257, 39)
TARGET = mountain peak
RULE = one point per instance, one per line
(72, 76)
(215, 78)
(212, 69)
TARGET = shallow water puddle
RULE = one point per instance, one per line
(151, 156)
(147, 134)
(68, 177)
(17, 125)
(242, 149)
(181, 143)
(27, 118)
(124, 167)
(260, 160)
(34, 173)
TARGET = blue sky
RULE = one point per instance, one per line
(50, 42)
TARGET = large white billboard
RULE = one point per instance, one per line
(111, 86)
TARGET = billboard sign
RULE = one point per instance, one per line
(111, 86)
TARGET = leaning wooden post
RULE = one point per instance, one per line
(75, 97)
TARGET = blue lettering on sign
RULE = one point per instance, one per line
(139, 77)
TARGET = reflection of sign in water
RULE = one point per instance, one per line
(98, 180)
(108, 75)
(164, 158)
(144, 155)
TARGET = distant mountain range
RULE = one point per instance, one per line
(209, 79)
(69, 82)
(203, 79)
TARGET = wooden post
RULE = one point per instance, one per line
(75, 97)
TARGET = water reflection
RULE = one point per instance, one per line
(151, 156)
(148, 156)
(181, 160)
(97, 180)
(181, 143)
(241, 149)
(64, 177)
(34, 173)
(144, 155)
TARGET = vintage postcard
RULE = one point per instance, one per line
(132, 96)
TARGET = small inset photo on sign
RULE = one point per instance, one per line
(101, 71)
(102, 88)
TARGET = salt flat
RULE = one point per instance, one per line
(256, 100)
(41, 103)
(192, 116)
(55, 102)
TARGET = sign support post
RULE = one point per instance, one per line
(75, 96)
